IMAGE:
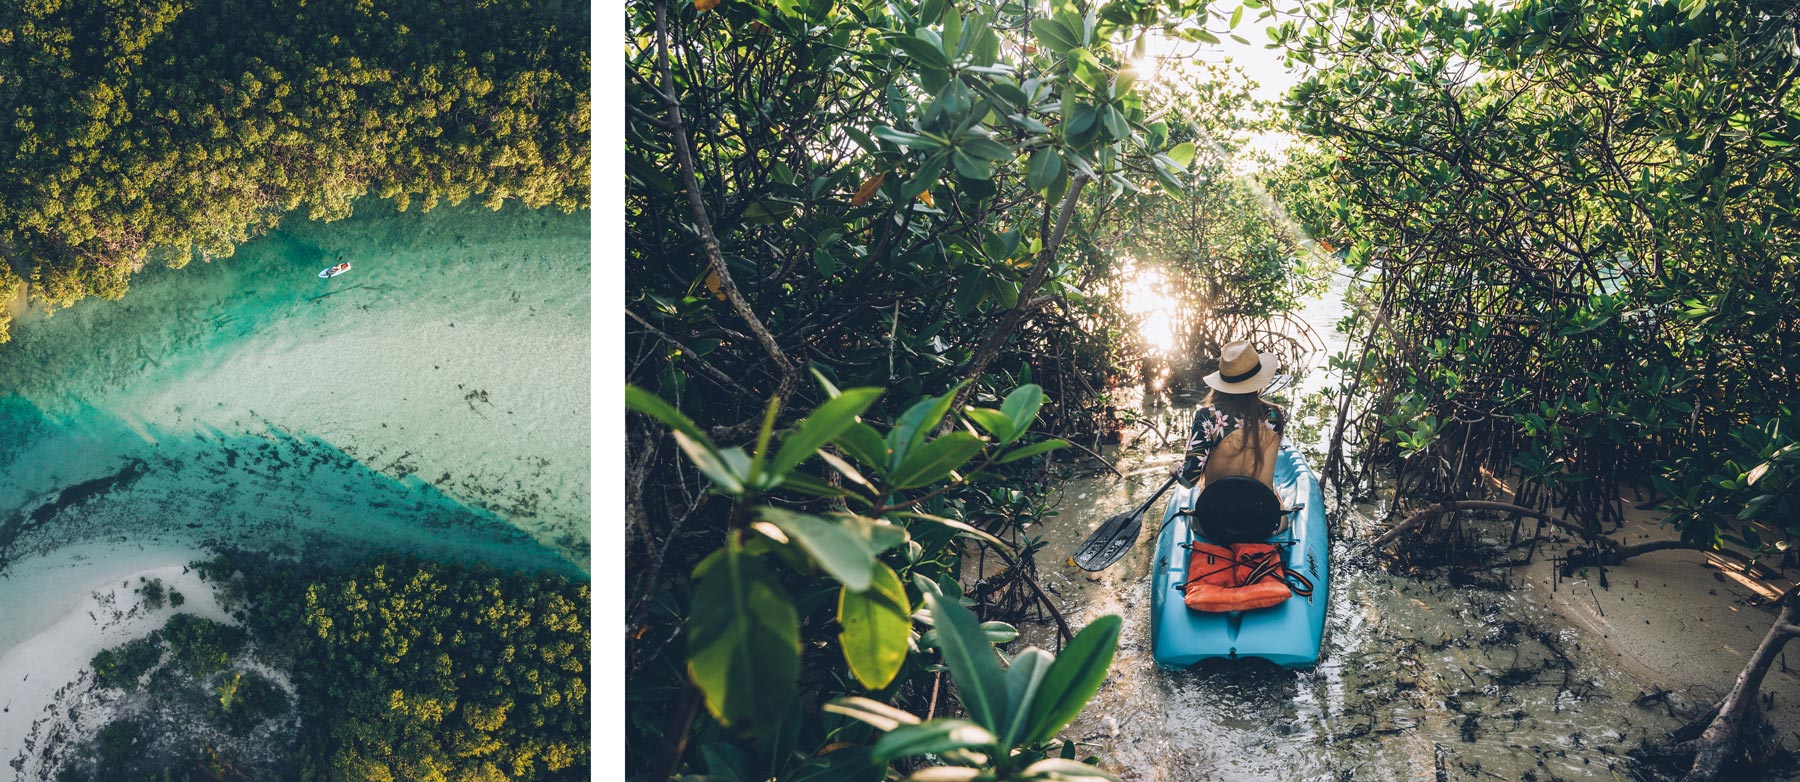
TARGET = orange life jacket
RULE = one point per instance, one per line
(1243, 577)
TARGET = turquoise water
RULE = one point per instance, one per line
(433, 400)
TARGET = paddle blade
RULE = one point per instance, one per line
(1110, 541)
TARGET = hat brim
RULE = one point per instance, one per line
(1252, 384)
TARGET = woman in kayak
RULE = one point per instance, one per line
(1222, 445)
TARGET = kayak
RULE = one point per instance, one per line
(1288, 633)
(335, 271)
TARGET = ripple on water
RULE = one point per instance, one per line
(1419, 681)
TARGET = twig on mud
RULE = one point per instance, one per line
(1096, 457)
(1393, 533)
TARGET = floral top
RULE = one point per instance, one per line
(1211, 426)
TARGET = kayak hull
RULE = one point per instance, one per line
(1288, 634)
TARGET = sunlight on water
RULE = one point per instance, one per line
(1147, 299)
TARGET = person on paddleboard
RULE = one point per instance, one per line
(1222, 444)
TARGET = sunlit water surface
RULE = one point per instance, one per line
(1419, 681)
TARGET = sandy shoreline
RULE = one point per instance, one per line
(1683, 621)
(43, 675)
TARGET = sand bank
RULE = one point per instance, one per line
(1684, 621)
(45, 679)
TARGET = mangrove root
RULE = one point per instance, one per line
(1720, 740)
(1612, 553)
(1442, 508)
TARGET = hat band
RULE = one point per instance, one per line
(1239, 378)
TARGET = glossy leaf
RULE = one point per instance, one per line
(822, 426)
(1031, 450)
(876, 623)
(836, 548)
(933, 461)
(1073, 679)
(935, 737)
(743, 640)
(973, 664)
(883, 716)
(1023, 678)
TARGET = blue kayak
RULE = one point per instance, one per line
(1287, 634)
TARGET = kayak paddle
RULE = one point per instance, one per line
(1114, 536)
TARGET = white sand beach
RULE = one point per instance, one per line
(45, 675)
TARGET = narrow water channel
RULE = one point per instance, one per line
(1419, 681)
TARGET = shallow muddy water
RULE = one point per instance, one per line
(1419, 680)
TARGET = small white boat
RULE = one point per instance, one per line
(335, 271)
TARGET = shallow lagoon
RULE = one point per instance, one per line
(434, 400)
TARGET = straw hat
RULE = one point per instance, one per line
(1242, 370)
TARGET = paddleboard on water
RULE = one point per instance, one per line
(335, 271)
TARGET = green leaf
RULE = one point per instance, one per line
(1062, 770)
(1031, 450)
(968, 166)
(993, 422)
(984, 149)
(876, 624)
(881, 715)
(847, 470)
(1022, 406)
(845, 764)
(865, 445)
(1115, 123)
(926, 53)
(726, 763)
(1022, 680)
(969, 294)
(823, 425)
(999, 632)
(1182, 153)
(971, 659)
(806, 484)
(713, 463)
(935, 737)
(919, 419)
(1046, 166)
(743, 640)
(1073, 679)
(837, 549)
(639, 400)
(960, 526)
(1052, 35)
(932, 461)
(1080, 119)
(905, 139)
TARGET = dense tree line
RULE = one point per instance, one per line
(170, 130)
(937, 198)
(1578, 224)
(402, 669)
(412, 670)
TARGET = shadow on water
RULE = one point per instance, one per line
(95, 477)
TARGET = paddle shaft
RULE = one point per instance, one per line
(1154, 497)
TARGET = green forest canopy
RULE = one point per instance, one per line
(177, 129)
